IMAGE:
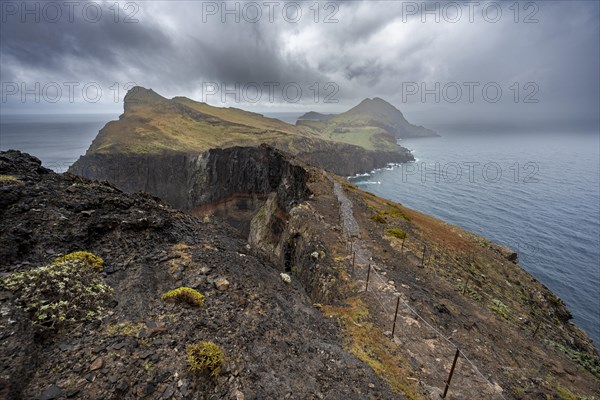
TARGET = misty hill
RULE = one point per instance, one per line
(373, 124)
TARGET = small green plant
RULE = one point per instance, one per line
(57, 294)
(89, 259)
(499, 308)
(148, 365)
(395, 212)
(378, 218)
(397, 233)
(185, 295)
(205, 357)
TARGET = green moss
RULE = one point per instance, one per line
(185, 295)
(397, 233)
(205, 357)
(89, 259)
(58, 294)
(378, 218)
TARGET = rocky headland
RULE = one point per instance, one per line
(153, 127)
(278, 253)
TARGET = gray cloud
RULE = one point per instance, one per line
(375, 49)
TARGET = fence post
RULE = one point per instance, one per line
(368, 275)
(537, 328)
(423, 256)
(402, 247)
(395, 317)
(451, 373)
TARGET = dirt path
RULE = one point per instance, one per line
(429, 351)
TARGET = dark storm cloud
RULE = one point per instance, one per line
(374, 49)
(99, 47)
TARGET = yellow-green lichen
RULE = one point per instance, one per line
(87, 258)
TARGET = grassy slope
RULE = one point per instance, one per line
(153, 124)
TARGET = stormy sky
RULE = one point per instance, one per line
(439, 62)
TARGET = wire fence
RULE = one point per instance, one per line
(386, 292)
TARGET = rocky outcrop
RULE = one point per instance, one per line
(355, 160)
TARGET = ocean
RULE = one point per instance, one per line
(56, 139)
(538, 194)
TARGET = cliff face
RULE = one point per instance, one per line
(190, 181)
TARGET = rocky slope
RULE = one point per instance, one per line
(276, 344)
(322, 336)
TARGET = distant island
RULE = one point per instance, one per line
(372, 124)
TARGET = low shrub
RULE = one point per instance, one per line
(185, 295)
(499, 308)
(205, 357)
(589, 362)
(397, 233)
(378, 218)
(89, 259)
(395, 212)
(61, 293)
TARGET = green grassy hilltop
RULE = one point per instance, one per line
(374, 124)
